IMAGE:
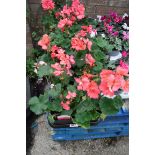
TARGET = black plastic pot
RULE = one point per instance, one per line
(67, 123)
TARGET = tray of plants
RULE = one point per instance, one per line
(85, 64)
(112, 126)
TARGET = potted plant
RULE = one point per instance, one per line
(81, 87)
(115, 30)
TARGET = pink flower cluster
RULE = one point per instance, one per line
(70, 96)
(81, 43)
(47, 4)
(70, 14)
(107, 20)
(89, 60)
(86, 84)
(125, 35)
(123, 64)
(65, 61)
(124, 54)
(44, 42)
(115, 17)
(112, 81)
(65, 105)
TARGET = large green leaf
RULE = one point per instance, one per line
(110, 106)
(45, 70)
(98, 55)
(55, 92)
(38, 106)
(67, 112)
(55, 105)
(85, 106)
(104, 44)
(71, 88)
(98, 67)
(86, 116)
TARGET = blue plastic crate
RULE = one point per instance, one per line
(112, 126)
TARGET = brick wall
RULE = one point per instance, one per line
(29, 45)
(93, 7)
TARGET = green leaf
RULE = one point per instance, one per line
(101, 42)
(109, 48)
(51, 118)
(118, 102)
(55, 106)
(86, 116)
(45, 70)
(98, 66)
(55, 92)
(104, 44)
(111, 64)
(85, 106)
(110, 106)
(67, 112)
(37, 106)
(45, 57)
(71, 88)
(98, 55)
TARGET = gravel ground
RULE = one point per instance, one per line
(43, 145)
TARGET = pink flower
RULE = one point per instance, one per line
(118, 19)
(89, 44)
(66, 11)
(125, 85)
(70, 95)
(83, 83)
(125, 35)
(113, 14)
(122, 71)
(54, 48)
(71, 59)
(89, 60)
(66, 105)
(82, 33)
(107, 75)
(110, 28)
(123, 65)
(78, 44)
(59, 69)
(62, 23)
(44, 42)
(93, 90)
(117, 82)
(57, 66)
(115, 33)
(47, 4)
(106, 90)
(124, 54)
(78, 9)
(58, 73)
(112, 81)
(88, 29)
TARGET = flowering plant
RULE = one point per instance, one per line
(115, 30)
(75, 64)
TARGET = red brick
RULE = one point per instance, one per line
(90, 9)
(92, 15)
(34, 1)
(120, 3)
(35, 8)
(102, 10)
(99, 2)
